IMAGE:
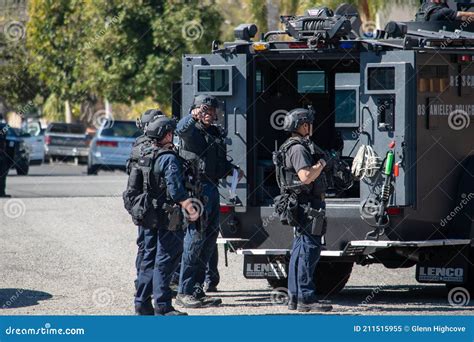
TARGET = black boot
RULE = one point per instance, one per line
(145, 309)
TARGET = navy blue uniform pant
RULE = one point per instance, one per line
(304, 258)
(140, 252)
(163, 250)
(199, 245)
(212, 272)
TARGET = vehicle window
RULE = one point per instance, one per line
(67, 128)
(213, 80)
(346, 106)
(76, 129)
(58, 128)
(381, 78)
(120, 129)
(313, 82)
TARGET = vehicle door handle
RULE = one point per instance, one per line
(235, 121)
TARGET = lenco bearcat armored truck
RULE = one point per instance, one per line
(397, 107)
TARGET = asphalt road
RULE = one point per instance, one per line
(65, 180)
(68, 248)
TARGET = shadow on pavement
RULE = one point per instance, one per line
(18, 298)
(365, 299)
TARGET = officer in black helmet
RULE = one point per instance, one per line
(160, 175)
(438, 10)
(141, 143)
(202, 143)
(6, 158)
(300, 177)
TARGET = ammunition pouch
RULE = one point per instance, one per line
(286, 206)
(143, 208)
(175, 217)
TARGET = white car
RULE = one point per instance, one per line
(111, 146)
(34, 141)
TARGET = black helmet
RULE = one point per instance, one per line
(159, 126)
(207, 100)
(147, 117)
(297, 117)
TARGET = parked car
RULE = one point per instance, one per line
(35, 144)
(21, 160)
(111, 146)
(67, 141)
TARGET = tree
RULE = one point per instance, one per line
(136, 48)
(55, 35)
(17, 86)
(258, 10)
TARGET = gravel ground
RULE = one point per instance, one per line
(75, 256)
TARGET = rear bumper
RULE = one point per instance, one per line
(66, 151)
(116, 160)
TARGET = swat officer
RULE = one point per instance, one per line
(202, 142)
(6, 158)
(438, 10)
(301, 176)
(164, 182)
(141, 143)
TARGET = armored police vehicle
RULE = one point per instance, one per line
(396, 106)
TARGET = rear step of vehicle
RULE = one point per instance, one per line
(364, 247)
(282, 252)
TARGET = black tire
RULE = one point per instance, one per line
(331, 277)
(278, 283)
(92, 170)
(22, 169)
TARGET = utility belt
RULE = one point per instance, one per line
(306, 212)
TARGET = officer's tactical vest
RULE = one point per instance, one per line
(214, 159)
(287, 178)
(141, 144)
(146, 190)
(427, 9)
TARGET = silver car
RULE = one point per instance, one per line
(111, 146)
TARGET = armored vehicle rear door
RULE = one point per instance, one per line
(388, 117)
(223, 76)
